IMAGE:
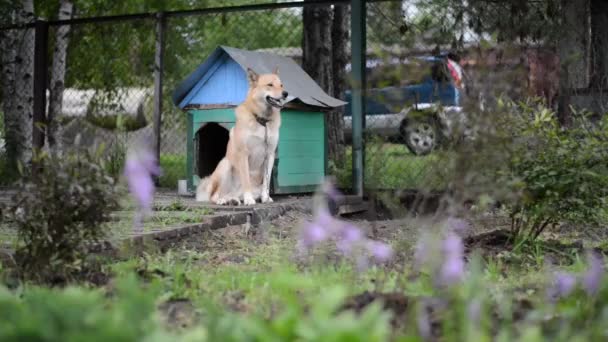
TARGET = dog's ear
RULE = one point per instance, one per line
(252, 76)
(276, 70)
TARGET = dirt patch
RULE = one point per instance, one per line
(147, 275)
(500, 241)
(235, 301)
(489, 243)
(178, 313)
(396, 303)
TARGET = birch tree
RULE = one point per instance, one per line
(57, 84)
(17, 84)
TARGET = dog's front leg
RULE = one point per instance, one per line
(243, 169)
(266, 181)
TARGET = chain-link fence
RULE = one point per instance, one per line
(433, 69)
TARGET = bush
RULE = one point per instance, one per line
(58, 214)
(79, 314)
(174, 169)
(559, 175)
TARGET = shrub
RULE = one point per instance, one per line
(559, 175)
(174, 169)
(79, 314)
(58, 213)
(542, 173)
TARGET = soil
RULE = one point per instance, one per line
(178, 313)
(490, 243)
(396, 303)
(493, 243)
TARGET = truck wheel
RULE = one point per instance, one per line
(421, 136)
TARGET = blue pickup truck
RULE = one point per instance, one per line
(419, 115)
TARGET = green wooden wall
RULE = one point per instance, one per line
(301, 157)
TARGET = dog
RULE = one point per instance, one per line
(246, 169)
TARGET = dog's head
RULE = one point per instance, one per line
(266, 89)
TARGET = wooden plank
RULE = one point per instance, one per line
(190, 152)
(300, 179)
(353, 208)
(297, 165)
(188, 98)
(296, 189)
(300, 149)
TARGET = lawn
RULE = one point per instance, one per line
(174, 169)
(305, 277)
(387, 166)
(240, 284)
(393, 166)
(166, 216)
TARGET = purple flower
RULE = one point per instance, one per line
(563, 285)
(312, 234)
(330, 190)
(593, 277)
(452, 269)
(452, 246)
(140, 167)
(421, 253)
(459, 226)
(348, 237)
(380, 251)
(325, 220)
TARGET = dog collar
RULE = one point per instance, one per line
(261, 121)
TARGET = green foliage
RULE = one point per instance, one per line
(305, 307)
(560, 175)
(59, 212)
(321, 321)
(79, 314)
(392, 166)
(174, 169)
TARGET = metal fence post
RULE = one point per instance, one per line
(158, 80)
(41, 31)
(358, 46)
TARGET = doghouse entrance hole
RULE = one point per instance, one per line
(211, 142)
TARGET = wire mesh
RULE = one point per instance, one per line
(101, 87)
(100, 94)
(433, 71)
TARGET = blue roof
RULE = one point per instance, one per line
(222, 80)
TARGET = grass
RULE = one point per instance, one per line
(393, 166)
(236, 281)
(174, 169)
(172, 215)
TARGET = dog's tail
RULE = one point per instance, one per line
(205, 190)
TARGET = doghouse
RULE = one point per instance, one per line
(209, 95)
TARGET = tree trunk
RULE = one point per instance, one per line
(599, 35)
(335, 119)
(57, 84)
(8, 55)
(574, 53)
(17, 83)
(319, 62)
(316, 46)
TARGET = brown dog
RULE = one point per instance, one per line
(245, 171)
